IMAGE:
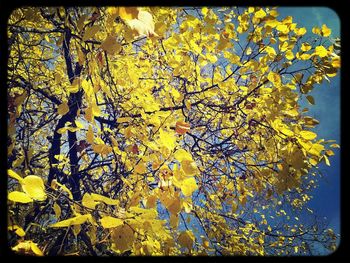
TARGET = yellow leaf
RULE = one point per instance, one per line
(260, 14)
(63, 108)
(270, 51)
(305, 47)
(34, 187)
(167, 139)
(301, 31)
(182, 154)
(104, 199)
(90, 32)
(18, 230)
(329, 153)
(57, 210)
(326, 32)
(88, 201)
(28, 246)
(186, 239)
(79, 124)
(282, 28)
(286, 131)
(310, 99)
(110, 222)
(308, 135)
(275, 78)
(127, 13)
(110, 45)
(76, 230)
(55, 184)
(326, 160)
(74, 87)
(289, 55)
(14, 175)
(321, 51)
(316, 149)
(77, 220)
(188, 186)
(316, 30)
(87, 87)
(143, 24)
(187, 204)
(304, 56)
(96, 111)
(124, 119)
(19, 197)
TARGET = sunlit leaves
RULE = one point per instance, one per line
(321, 51)
(28, 247)
(88, 201)
(19, 197)
(326, 31)
(308, 135)
(275, 78)
(56, 185)
(182, 155)
(260, 14)
(143, 24)
(104, 199)
(57, 210)
(188, 186)
(110, 222)
(14, 175)
(289, 55)
(167, 139)
(77, 220)
(193, 131)
(127, 13)
(305, 47)
(34, 187)
(18, 230)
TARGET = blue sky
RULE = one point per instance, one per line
(326, 198)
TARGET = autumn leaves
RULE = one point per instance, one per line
(32, 186)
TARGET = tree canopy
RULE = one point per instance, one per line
(164, 131)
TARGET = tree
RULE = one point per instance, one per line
(163, 131)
